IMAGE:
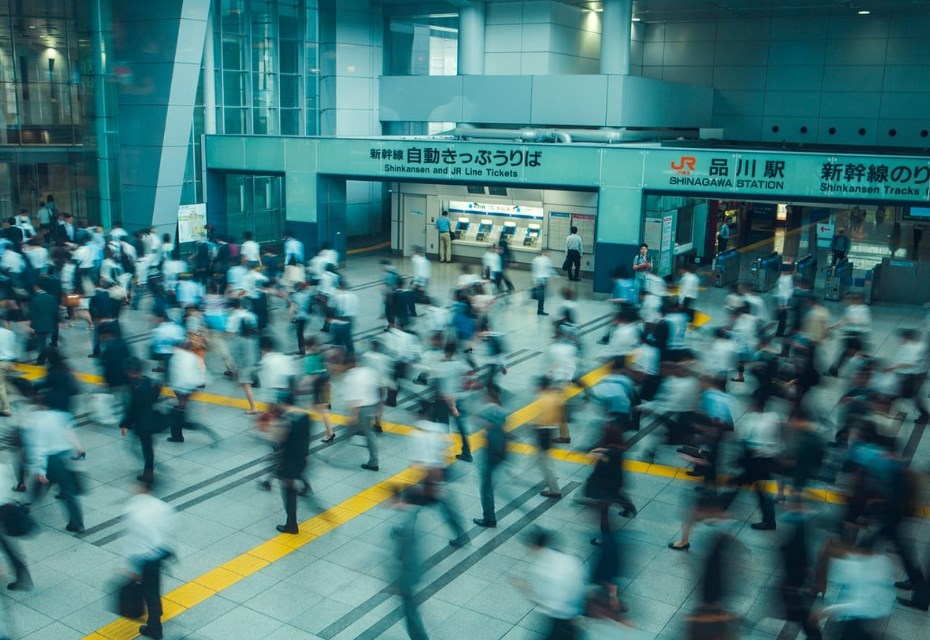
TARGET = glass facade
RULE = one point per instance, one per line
(422, 46)
(267, 66)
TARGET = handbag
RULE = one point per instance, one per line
(130, 602)
(16, 519)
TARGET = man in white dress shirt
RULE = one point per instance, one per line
(542, 270)
(573, 250)
(149, 540)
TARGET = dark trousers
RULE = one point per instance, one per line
(342, 336)
(289, 492)
(838, 256)
(179, 416)
(487, 491)
(60, 473)
(856, 629)
(151, 592)
(299, 326)
(573, 259)
(560, 629)
(20, 571)
(40, 340)
(541, 300)
(148, 451)
(722, 244)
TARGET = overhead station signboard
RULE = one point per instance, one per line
(789, 174)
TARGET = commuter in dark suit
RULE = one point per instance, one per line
(293, 450)
(141, 416)
(13, 233)
(60, 386)
(43, 319)
(105, 310)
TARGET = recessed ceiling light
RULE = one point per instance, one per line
(32, 26)
(863, 12)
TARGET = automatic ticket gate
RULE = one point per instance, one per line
(806, 271)
(870, 284)
(764, 272)
(726, 268)
(839, 278)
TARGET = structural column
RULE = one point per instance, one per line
(209, 79)
(471, 39)
(615, 37)
(104, 124)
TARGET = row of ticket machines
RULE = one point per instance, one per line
(488, 231)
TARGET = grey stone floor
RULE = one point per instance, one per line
(337, 585)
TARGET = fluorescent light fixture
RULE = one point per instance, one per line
(635, 19)
(863, 12)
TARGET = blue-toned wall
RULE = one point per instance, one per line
(159, 47)
(844, 74)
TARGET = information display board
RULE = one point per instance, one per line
(560, 224)
(192, 222)
(585, 224)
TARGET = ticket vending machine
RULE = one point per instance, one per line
(485, 228)
(461, 228)
(508, 231)
(533, 233)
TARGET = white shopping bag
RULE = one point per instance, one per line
(103, 409)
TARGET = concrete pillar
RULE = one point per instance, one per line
(471, 39)
(615, 37)
(101, 32)
(209, 79)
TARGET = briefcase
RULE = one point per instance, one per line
(130, 603)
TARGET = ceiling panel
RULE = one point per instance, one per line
(712, 10)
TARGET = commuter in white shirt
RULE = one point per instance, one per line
(688, 286)
(250, 251)
(856, 325)
(422, 270)
(556, 584)
(573, 250)
(363, 398)
(9, 350)
(293, 250)
(151, 527)
(541, 268)
(186, 373)
(49, 442)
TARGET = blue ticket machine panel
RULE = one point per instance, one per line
(508, 231)
(485, 228)
(533, 233)
(461, 228)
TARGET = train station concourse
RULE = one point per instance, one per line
(464, 319)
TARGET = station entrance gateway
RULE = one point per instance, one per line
(620, 186)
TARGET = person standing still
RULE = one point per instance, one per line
(642, 266)
(573, 249)
(444, 226)
(723, 236)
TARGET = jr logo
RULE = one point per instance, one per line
(685, 165)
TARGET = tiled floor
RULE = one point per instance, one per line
(337, 585)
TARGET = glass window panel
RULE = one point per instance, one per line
(233, 53)
(235, 193)
(263, 121)
(234, 120)
(232, 16)
(290, 92)
(313, 122)
(289, 57)
(313, 57)
(290, 122)
(263, 55)
(234, 88)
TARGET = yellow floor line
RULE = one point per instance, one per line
(216, 580)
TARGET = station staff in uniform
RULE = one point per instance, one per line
(444, 226)
(573, 249)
